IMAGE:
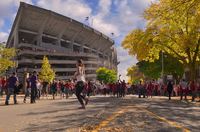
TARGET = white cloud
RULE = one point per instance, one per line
(8, 11)
(105, 27)
(125, 62)
(1, 23)
(7, 7)
(76, 9)
(100, 21)
(104, 7)
(3, 36)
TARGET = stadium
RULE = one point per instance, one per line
(37, 32)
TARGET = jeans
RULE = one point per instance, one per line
(33, 94)
(169, 94)
(79, 89)
(66, 90)
(198, 94)
(28, 91)
(193, 95)
(141, 92)
(183, 93)
(10, 92)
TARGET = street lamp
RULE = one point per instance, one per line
(162, 66)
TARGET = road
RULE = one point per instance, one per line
(103, 114)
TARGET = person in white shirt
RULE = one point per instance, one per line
(183, 87)
(80, 77)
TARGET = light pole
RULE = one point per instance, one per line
(87, 19)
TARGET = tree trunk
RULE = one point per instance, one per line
(192, 68)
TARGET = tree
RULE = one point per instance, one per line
(153, 70)
(106, 75)
(6, 56)
(134, 74)
(46, 74)
(172, 27)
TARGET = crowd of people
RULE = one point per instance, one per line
(35, 88)
(182, 89)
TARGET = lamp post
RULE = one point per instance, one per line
(162, 73)
(162, 65)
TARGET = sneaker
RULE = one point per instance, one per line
(6, 103)
(82, 107)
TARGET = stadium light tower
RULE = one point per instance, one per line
(87, 19)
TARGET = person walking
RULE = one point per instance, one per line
(169, 89)
(3, 86)
(123, 88)
(62, 89)
(80, 77)
(118, 88)
(193, 88)
(45, 88)
(1, 91)
(12, 86)
(33, 85)
(89, 88)
(67, 89)
(183, 89)
(114, 87)
(53, 88)
(150, 88)
(141, 90)
(28, 88)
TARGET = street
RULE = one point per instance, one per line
(102, 114)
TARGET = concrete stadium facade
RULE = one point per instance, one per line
(37, 32)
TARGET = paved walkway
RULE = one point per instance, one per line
(102, 114)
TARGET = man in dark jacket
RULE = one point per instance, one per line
(12, 86)
(33, 85)
(169, 89)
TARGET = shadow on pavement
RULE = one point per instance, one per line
(65, 116)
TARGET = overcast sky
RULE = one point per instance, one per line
(108, 16)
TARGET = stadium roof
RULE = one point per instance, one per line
(38, 20)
